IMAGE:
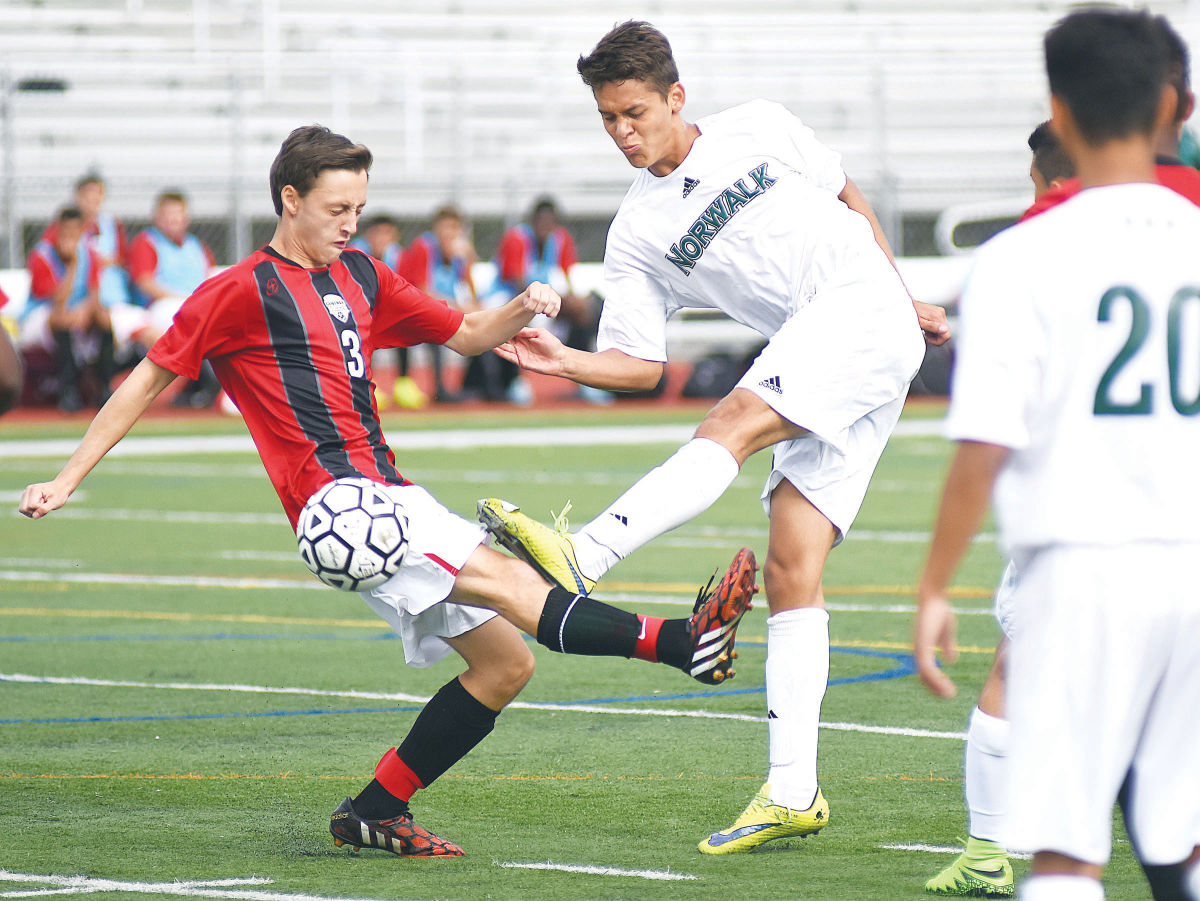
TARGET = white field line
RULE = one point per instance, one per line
(14, 497)
(589, 870)
(941, 849)
(668, 713)
(427, 439)
(201, 888)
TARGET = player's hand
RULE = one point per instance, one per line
(935, 627)
(40, 499)
(534, 349)
(933, 323)
(540, 298)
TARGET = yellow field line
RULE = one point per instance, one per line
(175, 616)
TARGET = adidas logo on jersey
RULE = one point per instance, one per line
(772, 384)
(621, 518)
(689, 185)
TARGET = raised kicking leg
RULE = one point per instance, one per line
(681, 488)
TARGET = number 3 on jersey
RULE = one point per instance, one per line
(356, 367)
(1183, 357)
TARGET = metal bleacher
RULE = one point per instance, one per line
(478, 102)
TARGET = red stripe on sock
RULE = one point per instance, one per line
(647, 643)
(395, 776)
(453, 570)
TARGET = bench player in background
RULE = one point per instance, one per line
(746, 212)
(1075, 370)
(290, 331)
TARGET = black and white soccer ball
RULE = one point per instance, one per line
(352, 535)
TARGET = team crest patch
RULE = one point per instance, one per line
(337, 307)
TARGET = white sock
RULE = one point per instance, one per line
(684, 486)
(1191, 881)
(1061, 888)
(797, 672)
(985, 774)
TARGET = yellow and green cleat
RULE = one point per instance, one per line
(763, 822)
(981, 871)
(548, 550)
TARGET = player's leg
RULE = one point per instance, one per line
(790, 804)
(681, 488)
(983, 867)
(456, 719)
(700, 645)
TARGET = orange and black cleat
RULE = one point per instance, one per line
(400, 834)
(715, 617)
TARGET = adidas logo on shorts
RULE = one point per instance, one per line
(771, 384)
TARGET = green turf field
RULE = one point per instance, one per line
(132, 761)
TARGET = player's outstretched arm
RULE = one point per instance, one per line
(538, 350)
(932, 317)
(115, 418)
(484, 329)
(964, 502)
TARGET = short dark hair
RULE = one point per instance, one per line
(633, 51)
(68, 213)
(1179, 67)
(1049, 156)
(90, 178)
(544, 205)
(306, 153)
(1108, 66)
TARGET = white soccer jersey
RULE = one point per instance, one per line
(749, 223)
(1079, 348)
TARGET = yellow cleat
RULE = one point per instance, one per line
(408, 395)
(762, 822)
(548, 550)
(981, 871)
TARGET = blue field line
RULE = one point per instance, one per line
(906, 667)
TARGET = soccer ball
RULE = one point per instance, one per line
(352, 535)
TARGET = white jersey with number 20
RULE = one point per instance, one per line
(1079, 349)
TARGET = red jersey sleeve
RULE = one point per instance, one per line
(3, 298)
(41, 277)
(567, 257)
(511, 254)
(211, 323)
(405, 316)
(1052, 198)
(122, 244)
(414, 265)
(143, 259)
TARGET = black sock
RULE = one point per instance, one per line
(446, 729)
(574, 624)
(376, 803)
(450, 725)
(674, 647)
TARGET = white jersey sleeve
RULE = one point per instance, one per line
(997, 365)
(636, 304)
(799, 146)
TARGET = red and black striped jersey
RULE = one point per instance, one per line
(292, 348)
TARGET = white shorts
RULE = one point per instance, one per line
(1004, 605)
(413, 601)
(839, 367)
(1103, 681)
